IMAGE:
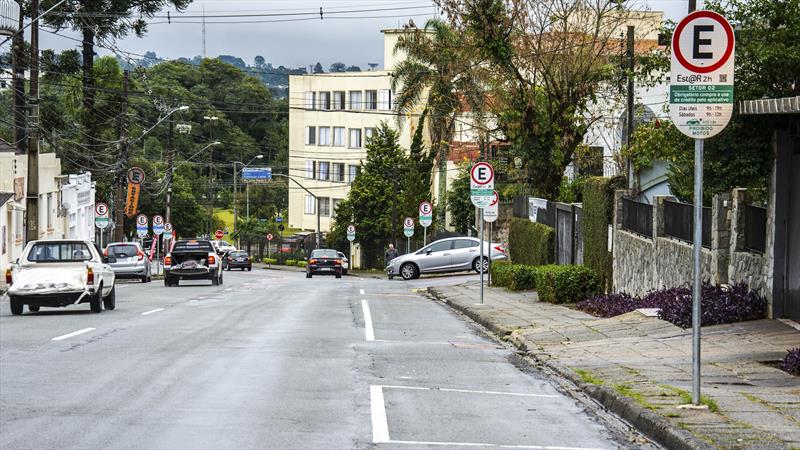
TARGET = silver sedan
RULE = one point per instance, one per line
(131, 261)
(445, 255)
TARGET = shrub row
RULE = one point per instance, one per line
(291, 262)
(555, 284)
(302, 263)
(531, 243)
(720, 304)
(269, 261)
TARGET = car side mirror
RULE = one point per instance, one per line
(428, 252)
(109, 259)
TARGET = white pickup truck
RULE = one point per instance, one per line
(60, 273)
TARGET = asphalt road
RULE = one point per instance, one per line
(271, 359)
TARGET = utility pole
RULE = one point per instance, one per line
(629, 55)
(170, 168)
(18, 85)
(235, 208)
(32, 200)
(119, 208)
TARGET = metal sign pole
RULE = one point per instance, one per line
(480, 261)
(489, 276)
(408, 245)
(697, 286)
(424, 236)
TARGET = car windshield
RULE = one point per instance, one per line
(237, 254)
(59, 252)
(123, 251)
(323, 253)
(193, 246)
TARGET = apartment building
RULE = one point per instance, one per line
(331, 116)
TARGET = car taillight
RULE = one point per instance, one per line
(9, 278)
(500, 249)
(105, 251)
(140, 254)
(89, 276)
(212, 260)
(168, 260)
(312, 261)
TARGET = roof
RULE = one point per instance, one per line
(785, 105)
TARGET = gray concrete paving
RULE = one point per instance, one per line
(273, 360)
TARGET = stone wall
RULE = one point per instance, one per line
(745, 266)
(634, 271)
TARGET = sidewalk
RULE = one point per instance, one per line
(640, 368)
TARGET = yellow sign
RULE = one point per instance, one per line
(132, 199)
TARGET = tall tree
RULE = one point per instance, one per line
(436, 75)
(338, 67)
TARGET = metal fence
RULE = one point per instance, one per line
(679, 222)
(637, 217)
(755, 228)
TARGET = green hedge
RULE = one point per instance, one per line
(555, 284)
(302, 263)
(598, 212)
(291, 262)
(531, 243)
(269, 261)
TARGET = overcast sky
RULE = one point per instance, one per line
(343, 35)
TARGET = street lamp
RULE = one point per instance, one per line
(316, 200)
(236, 191)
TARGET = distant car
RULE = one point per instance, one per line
(222, 247)
(324, 261)
(131, 260)
(445, 255)
(192, 259)
(61, 273)
(238, 259)
(345, 263)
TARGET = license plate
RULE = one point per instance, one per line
(325, 268)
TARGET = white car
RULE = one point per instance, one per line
(345, 263)
(222, 247)
(60, 273)
(445, 255)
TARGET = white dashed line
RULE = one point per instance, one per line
(74, 333)
(380, 427)
(370, 333)
(147, 313)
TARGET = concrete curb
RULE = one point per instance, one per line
(647, 422)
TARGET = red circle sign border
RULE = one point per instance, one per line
(136, 169)
(97, 206)
(145, 220)
(495, 199)
(219, 233)
(728, 32)
(269, 237)
(425, 203)
(471, 171)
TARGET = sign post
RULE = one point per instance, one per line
(141, 225)
(219, 234)
(158, 230)
(269, 246)
(408, 230)
(481, 193)
(701, 104)
(101, 219)
(351, 236)
(425, 219)
(490, 215)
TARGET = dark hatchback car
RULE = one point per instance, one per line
(324, 262)
(238, 260)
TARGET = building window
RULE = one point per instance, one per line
(325, 206)
(310, 205)
(355, 137)
(338, 172)
(311, 169)
(311, 100)
(338, 136)
(324, 135)
(338, 100)
(371, 100)
(311, 135)
(355, 100)
(368, 133)
(324, 100)
(385, 100)
(353, 172)
(323, 171)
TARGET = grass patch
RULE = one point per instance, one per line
(686, 398)
(588, 376)
(673, 415)
(628, 391)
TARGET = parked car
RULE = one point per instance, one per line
(131, 261)
(324, 261)
(61, 273)
(445, 255)
(345, 263)
(238, 259)
(222, 247)
(192, 259)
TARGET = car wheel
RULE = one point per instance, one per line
(96, 302)
(339, 275)
(167, 282)
(477, 267)
(33, 308)
(308, 274)
(249, 268)
(144, 278)
(409, 271)
(110, 302)
(16, 306)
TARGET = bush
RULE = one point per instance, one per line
(791, 363)
(598, 212)
(502, 273)
(269, 261)
(291, 262)
(719, 305)
(302, 263)
(566, 284)
(531, 243)
(516, 277)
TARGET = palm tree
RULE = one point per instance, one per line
(437, 64)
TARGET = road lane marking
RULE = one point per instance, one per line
(476, 444)
(147, 313)
(469, 391)
(368, 331)
(380, 426)
(74, 333)
(361, 291)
